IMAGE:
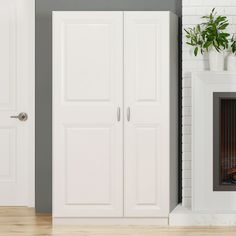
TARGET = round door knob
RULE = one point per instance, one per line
(22, 116)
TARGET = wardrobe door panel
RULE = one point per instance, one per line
(147, 113)
(87, 121)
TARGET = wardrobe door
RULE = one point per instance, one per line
(146, 114)
(87, 114)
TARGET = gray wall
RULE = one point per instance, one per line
(44, 10)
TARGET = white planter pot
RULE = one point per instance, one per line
(216, 60)
(231, 62)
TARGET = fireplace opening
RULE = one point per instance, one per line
(224, 141)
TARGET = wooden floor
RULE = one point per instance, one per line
(24, 222)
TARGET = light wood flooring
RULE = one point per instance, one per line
(24, 222)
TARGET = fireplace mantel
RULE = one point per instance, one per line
(204, 84)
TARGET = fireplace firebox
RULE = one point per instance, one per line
(224, 141)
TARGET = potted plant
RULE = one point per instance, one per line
(210, 37)
(231, 60)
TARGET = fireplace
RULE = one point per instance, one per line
(224, 141)
(214, 141)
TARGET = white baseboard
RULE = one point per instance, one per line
(110, 221)
(182, 216)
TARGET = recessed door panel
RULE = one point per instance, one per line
(87, 45)
(8, 138)
(147, 71)
(87, 123)
(90, 164)
(8, 42)
(147, 165)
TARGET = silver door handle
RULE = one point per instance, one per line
(118, 113)
(22, 116)
(128, 114)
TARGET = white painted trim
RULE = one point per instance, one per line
(110, 221)
(182, 216)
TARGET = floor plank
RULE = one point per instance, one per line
(20, 221)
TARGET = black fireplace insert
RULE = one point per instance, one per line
(224, 141)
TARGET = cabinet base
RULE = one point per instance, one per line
(109, 221)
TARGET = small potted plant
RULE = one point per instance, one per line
(210, 37)
(231, 60)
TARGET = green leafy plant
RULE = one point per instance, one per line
(195, 37)
(233, 44)
(209, 34)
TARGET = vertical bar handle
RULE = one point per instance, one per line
(128, 114)
(118, 114)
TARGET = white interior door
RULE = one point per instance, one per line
(87, 114)
(146, 79)
(16, 96)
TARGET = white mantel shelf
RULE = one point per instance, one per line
(209, 74)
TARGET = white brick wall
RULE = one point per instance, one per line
(192, 11)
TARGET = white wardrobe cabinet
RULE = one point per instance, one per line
(114, 115)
